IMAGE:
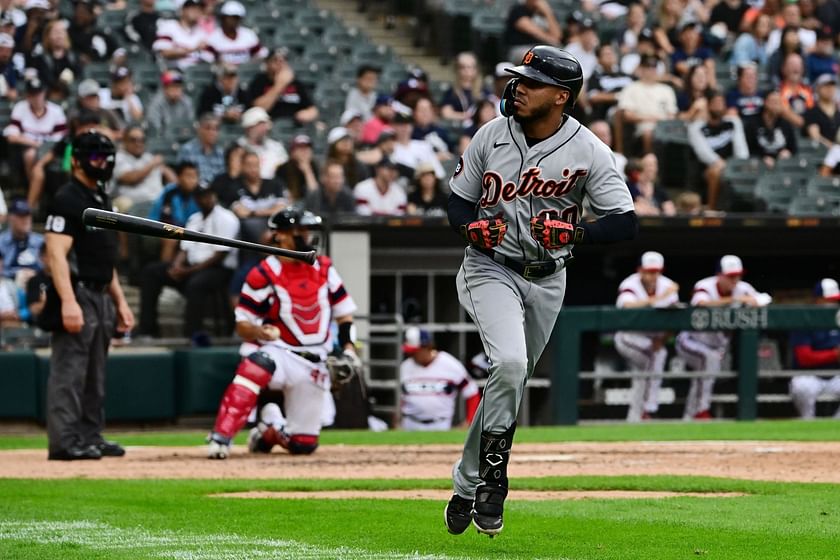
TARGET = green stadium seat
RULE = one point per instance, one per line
(807, 206)
(742, 174)
(316, 21)
(777, 190)
(826, 188)
(671, 132)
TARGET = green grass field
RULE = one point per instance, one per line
(180, 520)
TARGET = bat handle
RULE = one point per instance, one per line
(311, 257)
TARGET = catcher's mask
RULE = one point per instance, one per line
(303, 221)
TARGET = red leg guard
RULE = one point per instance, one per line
(301, 444)
(253, 373)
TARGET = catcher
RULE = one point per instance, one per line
(284, 315)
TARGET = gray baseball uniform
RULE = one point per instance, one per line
(514, 314)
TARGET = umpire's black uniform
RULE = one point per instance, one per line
(76, 385)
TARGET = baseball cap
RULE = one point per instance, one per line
(652, 261)
(730, 265)
(254, 116)
(588, 24)
(825, 79)
(349, 116)
(383, 99)
(36, 5)
(34, 85)
(422, 168)
(280, 52)
(827, 288)
(645, 35)
(337, 134)
(88, 87)
(171, 77)
(204, 187)
(120, 72)
(187, 3)
(19, 207)
(385, 135)
(690, 24)
(232, 8)
(402, 117)
(7, 40)
(300, 140)
(416, 338)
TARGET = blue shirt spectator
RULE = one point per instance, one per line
(19, 246)
(176, 203)
(204, 150)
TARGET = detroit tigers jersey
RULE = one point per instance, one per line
(299, 299)
(500, 173)
(707, 290)
(428, 393)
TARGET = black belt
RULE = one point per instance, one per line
(425, 420)
(528, 270)
(100, 287)
(311, 356)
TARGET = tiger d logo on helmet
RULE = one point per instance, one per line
(95, 154)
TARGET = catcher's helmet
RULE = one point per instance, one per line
(292, 217)
(93, 145)
(552, 66)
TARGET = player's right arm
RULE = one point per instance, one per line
(253, 307)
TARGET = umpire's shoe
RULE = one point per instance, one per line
(458, 514)
(488, 508)
(110, 448)
(75, 453)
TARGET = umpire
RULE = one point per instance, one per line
(89, 302)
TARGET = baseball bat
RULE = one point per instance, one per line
(143, 226)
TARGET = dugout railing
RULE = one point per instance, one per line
(746, 324)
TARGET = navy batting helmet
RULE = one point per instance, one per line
(552, 66)
(292, 217)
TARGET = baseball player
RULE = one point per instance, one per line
(517, 195)
(284, 314)
(430, 381)
(645, 351)
(816, 350)
(705, 350)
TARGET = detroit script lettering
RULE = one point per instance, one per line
(495, 189)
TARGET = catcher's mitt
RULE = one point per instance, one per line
(343, 367)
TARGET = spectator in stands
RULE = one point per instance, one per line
(816, 350)
(822, 121)
(29, 33)
(646, 101)
(649, 198)
(19, 245)
(790, 45)
(430, 381)
(138, 174)
(277, 92)
(485, 112)
(458, 103)
(120, 98)
(646, 46)
(530, 23)
(341, 149)
(691, 52)
(726, 16)
(272, 154)
(182, 42)
(89, 42)
(255, 196)
(603, 131)
(9, 300)
(333, 197)
(672, 16)
(207, 20)
(385, 145)
(793, 21)
(408, 153)
(426, 127)
(352, 121)
(225, 184)
(821, 60)
(751, 46)
(201, 272)
(10, 9)
(427, 198)
(744, 100)
(34, 120)
(383, 114)
(797, 97)
(584, 47)
(716, 139)
(605, 83)
(688, 204)
(362, 95)
(415, 86)
(176, 204)
(87, 100)
(141, 25)
(225, 97)
(56, 62)
(831, 163)
(8, 71)
(828, 13)
(299, 175)
(771, 137)
(636, 21)
(204, 150)
(169, 105)
(231, 42)
(381, 194)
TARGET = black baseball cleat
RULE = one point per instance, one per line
(75, 453)
(110, 448)
(488, 509)
(457, 514)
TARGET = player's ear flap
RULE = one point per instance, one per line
(506, 103)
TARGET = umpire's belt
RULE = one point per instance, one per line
(100, 287)
(528, 270)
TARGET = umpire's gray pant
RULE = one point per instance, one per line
(76, 386)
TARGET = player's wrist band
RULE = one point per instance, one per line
(345, 334)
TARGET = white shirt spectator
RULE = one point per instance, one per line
(171, 34)
(8, 295)
(416, 152)
(146, 190)
(242, 48)
(588, 59)
(361, 103)
(370, 201)
(429, 392)
(832, 158)
(220, 221)
(272, 155)
(49, 127)
(648, 100)
(122, 107)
